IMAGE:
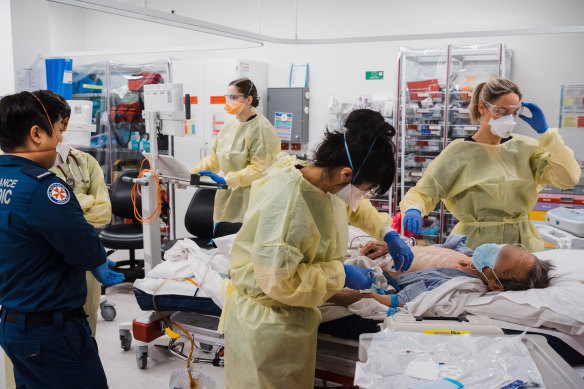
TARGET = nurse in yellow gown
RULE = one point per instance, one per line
(287, 259)
(244, 148)
(491, 181)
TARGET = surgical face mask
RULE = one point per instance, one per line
(503, 126)
(62, 153)
(234, 107)
(351, 195)
(486, 256)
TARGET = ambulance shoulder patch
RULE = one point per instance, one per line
(58, 194)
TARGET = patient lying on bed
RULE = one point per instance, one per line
(516, 269)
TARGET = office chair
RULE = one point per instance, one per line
(125, 236)
(199, 221)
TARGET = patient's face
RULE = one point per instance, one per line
(514, 262)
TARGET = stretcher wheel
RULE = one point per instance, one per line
(108, 311)
(142, 356)
(125, 339)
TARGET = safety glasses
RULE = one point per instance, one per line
(233, 97)
(500, 111)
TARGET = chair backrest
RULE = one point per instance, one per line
(120, 196)
(199, 215)
(226, 228)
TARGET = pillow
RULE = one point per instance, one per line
(569, 263)
(558, 306)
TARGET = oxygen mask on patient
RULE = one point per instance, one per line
(486, 256)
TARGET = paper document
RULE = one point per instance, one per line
(171, 167)
(299, 75)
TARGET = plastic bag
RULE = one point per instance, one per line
(478, 362)
(179, 379)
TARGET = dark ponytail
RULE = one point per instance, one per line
(364, 127)
(247, 88)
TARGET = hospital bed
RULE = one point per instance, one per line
(337, 347)
(336, 357)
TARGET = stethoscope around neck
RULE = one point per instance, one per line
(71, 181)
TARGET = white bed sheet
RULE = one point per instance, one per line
(558, 307)
(187, 260)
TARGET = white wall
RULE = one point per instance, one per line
(30, 35)
(68, 29)
(6, 60)
(541, 63)
(340, 18)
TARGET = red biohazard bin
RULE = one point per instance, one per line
(147, 332)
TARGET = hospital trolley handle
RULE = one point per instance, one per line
(461, 318)
(139, 181)
(196, 181)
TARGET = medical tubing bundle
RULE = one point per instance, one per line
(136, 189)
(167, 319)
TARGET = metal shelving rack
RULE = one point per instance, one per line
(110, 145)
(434, 90)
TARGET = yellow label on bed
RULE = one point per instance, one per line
(445, 332)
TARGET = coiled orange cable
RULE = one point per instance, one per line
(136, 190)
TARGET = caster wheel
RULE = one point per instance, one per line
(108, 311)
(142, 356)
(125, 339)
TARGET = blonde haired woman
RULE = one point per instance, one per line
(491, 180)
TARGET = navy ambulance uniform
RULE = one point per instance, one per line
(45, 248)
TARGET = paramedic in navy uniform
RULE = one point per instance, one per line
(45, 248)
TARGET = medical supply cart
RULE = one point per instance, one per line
(434, 89)
(117, 92)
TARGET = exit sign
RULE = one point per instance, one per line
(377, 75)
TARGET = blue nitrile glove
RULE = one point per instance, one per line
(394, 301)
(537, 119)
(358, 278)
(107, 276)
(215, 177)
(413, 221)
(400, 252)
